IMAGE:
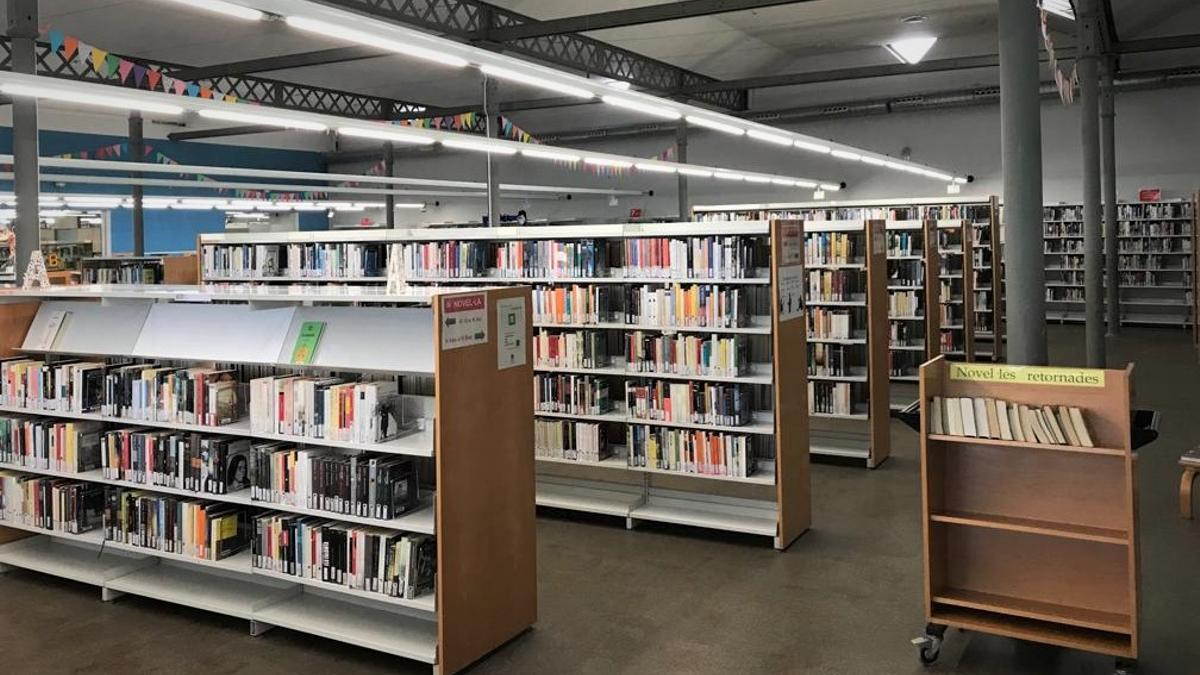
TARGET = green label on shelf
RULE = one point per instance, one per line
(307, 341)
(1070, 377)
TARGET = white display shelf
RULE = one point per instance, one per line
(238, 562)
(762, 423)
(609, 499)
(764, 475)
(235, 279)
(759, 373)
(425, 603)
(861, 377)
(708, 511)
(230, 293)
(416, 444)
(837, 303)
(837, 341)
(684, 281)
(60, 557)
(758, 326)
(220, 594)
(835, 266)
(852, 444)
(381, 630)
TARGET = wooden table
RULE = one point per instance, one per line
(1190, 461)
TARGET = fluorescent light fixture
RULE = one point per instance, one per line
(479, 146)
(638, 106)
(99, 100)
(842, 154)
(410, 205)
(715, 125)
(692, 171)
(535, 81)
(604, 161)
(306, 206)
(873, 161)
(830, 187)
(226, 8)
(777, 139)
(783, 181)
(812, 147)
(939, 175)
(725, 175)
(911, 50)
(364, 38)
(895, 165)
(654, 168)
(757, 179)
(1060, 7)
(386, 135)
(806, 184)
(550, 154)
(269, 120)
(960, 180)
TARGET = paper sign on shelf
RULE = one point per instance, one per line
(49, 334)
(791, 243)
(510, 333)
(464, 320)
(1068, 377)
(307, 341)
(791, 292)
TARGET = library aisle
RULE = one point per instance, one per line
(613, 600)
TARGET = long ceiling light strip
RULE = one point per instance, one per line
(268, 120)
(224, 8)
(82, 92)
(349, 26)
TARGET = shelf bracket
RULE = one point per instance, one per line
(108, 595)
(258, 628)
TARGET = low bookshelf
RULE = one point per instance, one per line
(1030, 533)
(670, 358)
(128, 269)
(201, 427)
(1156, 248)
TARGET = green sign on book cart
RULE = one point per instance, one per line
(307, 341)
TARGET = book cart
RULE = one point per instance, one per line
(604, 439)
(1026, 540)
(475, 470)
(913, 288)
(848, 305)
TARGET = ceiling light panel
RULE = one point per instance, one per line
(911, 50)
(268, 120)
(223, 8)
(535, 81)
(640, 106)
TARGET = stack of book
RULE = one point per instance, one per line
(574, 441)
(1003, 420)
(186, 527)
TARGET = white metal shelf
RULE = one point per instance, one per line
(758, 373)
(758, 326)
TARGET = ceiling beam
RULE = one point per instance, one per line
(634, 16)
(302, 60)
(505, 106)
(1158, 44)
(221, 132)
(859, 73)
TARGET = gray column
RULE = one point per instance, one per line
(1021, 152)
(389, 170)
(491, 108)
(681, 147)
(1089, 125)
(1108, 141)
(23, 28)
(137, 149)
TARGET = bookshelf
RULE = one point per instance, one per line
(985, 324)
(1032, 540)
(1157, 243)
(956, 297)
(473, 516)
(154, 269)
(913, 288)
(848, 327)
(608, 358)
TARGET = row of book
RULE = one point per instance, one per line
(56, 504)
(1155, 210)
(365, 559)
(908, 273)
(904, 303)
(689, 402)
(1160, 245)
(835, 286)
(832, 248)
(364, 485)
(830, 324)
(906, 334)
(687, 306)
(186, 527)
(241, 261)
(335, 261)
(707, 257)
(200, 463)
(571, 394)
(454, 259)
(570, 440)
(570, 349)
(52, 445)
(139, 391)
(904, 244)
(1004, 420)
(549, 258)
(327, 408)
(573, 304)
(1143, 229)
(686, 354)
(950, 342)
(1153, 261)
(831, 360)
(129, 272)
(831, 398)
(705, 453)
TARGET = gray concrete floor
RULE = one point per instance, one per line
(846, 598)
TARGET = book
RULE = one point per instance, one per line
(967, 404)
(936, 413)
(954, 424)
(1029, 426)
(1002, 419)
(1014, 423)
(993, 418)
(1052, 425)
(307, 341)
(1085, 439)
(1064, 422)
(981, 417)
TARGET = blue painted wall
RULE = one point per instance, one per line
(170, 230)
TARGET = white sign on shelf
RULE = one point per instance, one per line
(791, 243)
(49, 334)
(464, 320)
(510, 333)
(791, 292)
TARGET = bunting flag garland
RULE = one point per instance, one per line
(1066, 84)
(467, 122)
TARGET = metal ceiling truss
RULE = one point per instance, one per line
(250, 89)
(476, 21)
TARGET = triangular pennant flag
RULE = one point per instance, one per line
(179, 86)
(152, 78)
(83, 57)
(205, 92)
(111, 64)
(99, 57)
(139, 74)
(56, 41)
(72, 45)
(193, 90)
(124, 67)
(229, 98)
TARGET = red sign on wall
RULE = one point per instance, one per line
(1150, 194)
(635, 213)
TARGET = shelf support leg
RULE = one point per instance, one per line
(108, 595)
(1185, 493)
(257, 628)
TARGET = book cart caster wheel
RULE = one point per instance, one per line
(1124, 667)
(929, 645)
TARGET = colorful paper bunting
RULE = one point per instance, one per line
(124, 67)
(56, 41)
(70, 47)
(99, 57)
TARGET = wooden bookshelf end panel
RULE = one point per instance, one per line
(1073, 582)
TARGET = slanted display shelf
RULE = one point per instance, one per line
(664, 353)
(445, 581)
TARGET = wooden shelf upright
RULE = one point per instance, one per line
(1027, 540)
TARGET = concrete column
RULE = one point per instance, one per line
(491, 108)
(23, 29)
(1089, 111)
(1021, 152)
(389, 170)
(137, 148)
(1108, 116)
(681, 147)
